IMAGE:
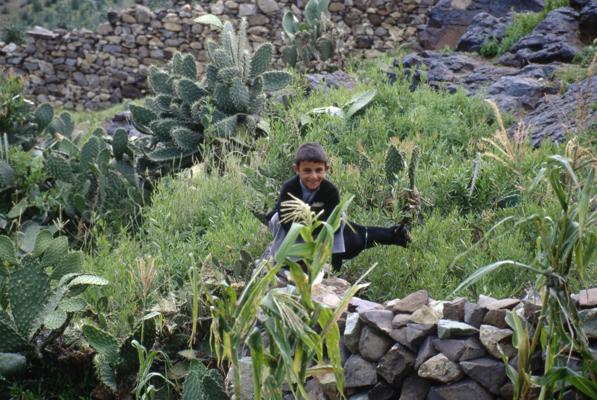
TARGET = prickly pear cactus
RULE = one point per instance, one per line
(309, 44)
(394, 164)
(42, 289)
(203, 384)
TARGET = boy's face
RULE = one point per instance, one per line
(311, 173)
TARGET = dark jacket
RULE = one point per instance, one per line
(326, 198)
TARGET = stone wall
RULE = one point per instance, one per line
(417, 348)
(85, 69)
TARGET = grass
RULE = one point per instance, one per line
(198, 213)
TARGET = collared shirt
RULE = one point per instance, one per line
(307, 194)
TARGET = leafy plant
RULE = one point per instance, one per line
(394, 165)
(38, 291)
(184, 112)
(114, 357)
(302, 335)
(565, 247)
(308, 42)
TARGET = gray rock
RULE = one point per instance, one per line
(458, 350)
(589, 320)
(411, 303)
(379, 319)
(557, 115)
(474, 314)
(491, 336)
(426, 315)
(245, 10)
(496, 318)
(441, 369)
(359, 372)
(382, 391)
(454, 309)
(396, 364)
(414, 388)
(516, 93)
(143, 15)
(554, 39)
(426, 351)
(246, 378)
(484, 301)
(483, 27)
(586, 298)
(488, 372)
(400, 320)
(268, 6)
(359, 305)
(372, 344)
(449, 329)
(464, 390)
(587, 22)
(412, 334)
(503, 304)
(352, 332)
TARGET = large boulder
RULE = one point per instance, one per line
(554, 39)
(449, 19)
(556, 116)
(483, 27)
(587, 22)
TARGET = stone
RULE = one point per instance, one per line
(379, 319)
(474, 314)
(441, 369)
(545, 121)
(586, 298)
(425, 315)
(104, 29)
(587, 23)
(503, 303)
(359, 372)
(396, 364)
(336, 7)
(554, 39)
(352, 332)
(426, 351)
(217, 8)
(516, 93)
(400, 320)
(246, 377)
(491, 336)
(488, 372)
(143, 15)
(268, 6)
(359, 305)
(589, 321)
(484, 301)
(458, 350)
(464, 390)
(412, 334)
(496, 318)
(42, 33)
(373, 345)
(381, 391)
(245, 10)
(410, 303)
(128, 19)
(483, 27)
(454, 309)
(448, 329)
(173, 27)
(414, 388)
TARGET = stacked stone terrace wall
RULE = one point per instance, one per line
(85, 69)
(417, 348)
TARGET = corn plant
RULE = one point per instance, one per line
(302, 334)
(566, 245)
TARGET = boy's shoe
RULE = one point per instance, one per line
(401, 236)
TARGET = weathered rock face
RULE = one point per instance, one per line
(554, 39)
(449, 19)
(483, 27)
(83, 69)
(587, 22)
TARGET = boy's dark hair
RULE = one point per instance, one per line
(311, 152)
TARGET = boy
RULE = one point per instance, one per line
(310, 185)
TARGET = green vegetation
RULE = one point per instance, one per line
(523, 24)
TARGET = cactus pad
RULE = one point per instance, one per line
(239, 95)
(7, 250)
(159, 81)
(55, 252)
(275, 80)
(55, 319)
(59, 168)
(28, 290)
(90, 151)
(11, 338)
(394, 164)
(43, 115)
(42, 242)
(7, 175)
(120, 143)
(261, 60)
(11, 364)
(188, 91)
(186, 139)
(141, 116)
